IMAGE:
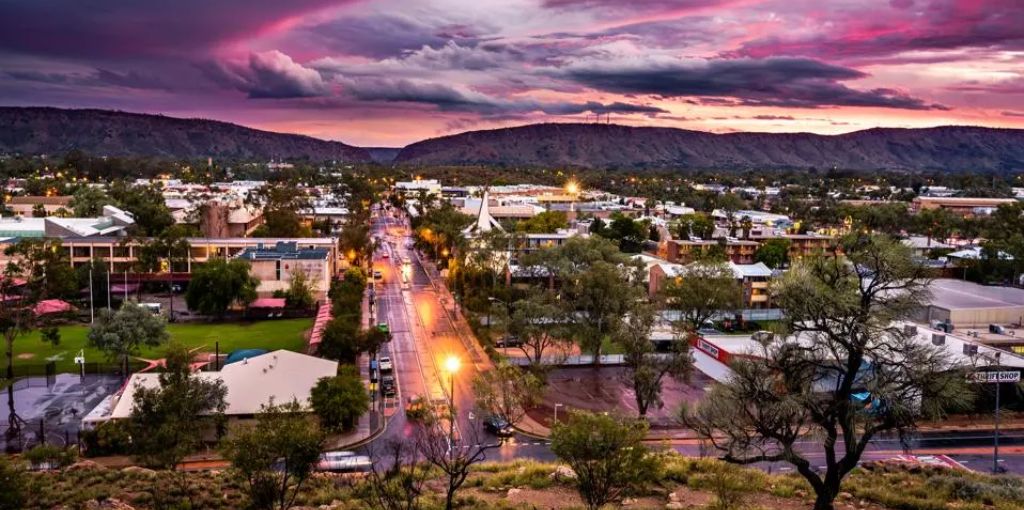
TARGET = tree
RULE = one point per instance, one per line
(341, 340)
(773, 253)
(168, 421)
(701, 292)
(300, 290)
(220, 283)
(852, 372)
(538, 323)
(396, 475)
(147, 205)
(339, 401)
(13, 485)
(88, 201)
(646, 368)
(629, 234)
(506, 392)
(606, 453)
(547, 222)
(39, 211)
(282, 205)
(277, 455)
(453, 456)
(698, 225)
(122, 333)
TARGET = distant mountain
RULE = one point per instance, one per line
(383, 155)
(111, 133)
(952, 148)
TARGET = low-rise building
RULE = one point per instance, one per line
(754, 281)
(276, 265)
(27, 205)
(961, 206)
(690, 250)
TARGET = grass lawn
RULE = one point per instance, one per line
(270, 335)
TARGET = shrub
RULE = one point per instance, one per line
(12, 485)
(108, 438)
(47, 456)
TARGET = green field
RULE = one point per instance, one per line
(269, 335)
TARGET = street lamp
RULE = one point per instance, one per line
(508, 311)
(451, 365)
(555, 420)
(572, 188)
(995, 453)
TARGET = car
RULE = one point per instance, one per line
(508, 341)
(498, 426)
(377, 275)
(387, 386)
(385, 364)
(383, 327)
(385, 254)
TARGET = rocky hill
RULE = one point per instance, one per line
(111, 133)
(952, 148)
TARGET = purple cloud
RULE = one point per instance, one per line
(792, 82)
(270, 74)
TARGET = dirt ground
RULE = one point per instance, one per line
(605, 389)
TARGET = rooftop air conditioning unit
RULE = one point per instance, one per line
(939, 339)
(910, 330)
(970, 349)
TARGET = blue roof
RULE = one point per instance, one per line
(243, 354)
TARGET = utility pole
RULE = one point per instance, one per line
(995, 453)
(92, 309)
(108, 289)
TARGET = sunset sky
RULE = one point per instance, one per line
(390, 72)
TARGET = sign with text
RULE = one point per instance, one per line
(1006, 376)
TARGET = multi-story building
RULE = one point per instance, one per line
(687, 251)
(754, 280)
(961, 206)
(276, 265)
(26, 205)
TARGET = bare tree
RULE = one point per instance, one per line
(452, 454)
(397, 475)
(849, 371)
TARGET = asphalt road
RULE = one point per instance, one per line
(424, 338)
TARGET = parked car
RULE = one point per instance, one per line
(498, 426)
(377, 275)
(508, 341)
(385, 364)
(387, 386)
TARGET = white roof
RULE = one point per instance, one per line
(280, 375)
(923, 243)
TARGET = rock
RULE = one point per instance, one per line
(108, 504)
(628, 501)
(512, 492)
(564, 472)
(800, 494)
(845, 495)
(83, 465)
(674, 505)
(139, 470)
(674, 497)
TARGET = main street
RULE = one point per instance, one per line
(420, 316)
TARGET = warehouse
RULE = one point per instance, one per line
(969, 305)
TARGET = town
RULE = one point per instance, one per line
(180, 324)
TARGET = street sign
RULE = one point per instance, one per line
(1007, 376)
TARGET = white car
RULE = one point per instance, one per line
(385, 364)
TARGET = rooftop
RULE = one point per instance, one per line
(959, 294)
(283, 250)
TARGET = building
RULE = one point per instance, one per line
(970, 305)
(27, 205)
(800, 245)
(686, 251)
(113, 222)
(430, 187)
(922, 246)
(961, 206)
(281, 376)
(754, 280)
(275, 266)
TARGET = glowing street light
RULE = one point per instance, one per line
(452, 364)
(573, 189)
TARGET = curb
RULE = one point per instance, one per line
(531, 434)
(368, 439)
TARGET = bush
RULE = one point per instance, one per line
(12, 485)
(47, 456)
(108, 438)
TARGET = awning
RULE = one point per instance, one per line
(52, 306)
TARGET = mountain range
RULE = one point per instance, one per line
(40, 130)
(951, 148)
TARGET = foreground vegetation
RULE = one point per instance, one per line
(678, 482)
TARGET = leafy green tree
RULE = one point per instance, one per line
(282, 205)
(847, 313)
(339, 401)
(88, 201)
(122, 333)
(606, 453)
(147, 205)
(300, 290)
(629, 234)
(277, 455)
(701, 292)
(507, 392)
(13, 485)
(220, 283)
(646, 368)
(539, 324)
(547, 222)
(774, 252)
(341, 340)
(168, 421)
(698, 225)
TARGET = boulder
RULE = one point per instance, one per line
(512, 492)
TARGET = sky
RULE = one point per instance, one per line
(391, 72)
